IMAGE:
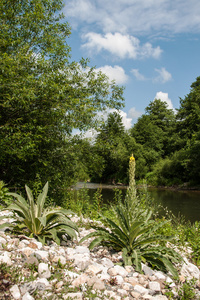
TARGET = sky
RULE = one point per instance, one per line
(151, 47)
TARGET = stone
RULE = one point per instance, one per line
(60, 258)
(140, 289)
(82, 261)
(117, 270)
(129, 269)
(28, 287)
(32, 245)
(135, 295)
(27, 296)
(42, 284)
(119, 279)
(96, 283)
(122, 292)
(77, 296)
(147, 271)
(43, 270)
(106, 262)
(94, 269)
(154, 286)
(110, 294)
(15, 292)
(132, 281)
(190, 271)
(41, 254)
(2, 241)
(82, 250)
(5, 258)
(80, 280)
(127, 286)
(32, 260)
(27, 251)
(160, 275)
(159, 297)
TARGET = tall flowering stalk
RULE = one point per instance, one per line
(132, 186)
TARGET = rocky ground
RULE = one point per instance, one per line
(29, 270)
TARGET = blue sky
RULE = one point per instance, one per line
(151, 47)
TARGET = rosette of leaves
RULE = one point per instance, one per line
(33, 220)
(134, 233)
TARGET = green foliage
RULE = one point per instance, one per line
(5, 199)
(187, 290)
(44, 96)
(34, 220)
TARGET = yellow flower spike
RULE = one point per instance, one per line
(132, 158)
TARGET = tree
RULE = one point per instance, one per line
(44, 96)
(153, 131)
(188, 116)
(115, 145)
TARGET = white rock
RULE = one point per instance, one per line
(15, 292)
(122, 292)
(154, 286)
(44, 255)
(27, 296)
(5, 258)
(159, 297)
(80, 280)
(2, 240)
(43, 270)
(106, 262)
(109, 293)
(94, 269)
(127, 286)
(82, 250)
(160, 275)
(189, 271)
(38, 244)
(60, 258)
(77, 296)
(82, 260)
(120, 271)
(42, 281)
(119, 279)
(140, 289)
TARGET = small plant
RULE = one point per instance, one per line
(33, 220)
(113, 281)
(187, 290)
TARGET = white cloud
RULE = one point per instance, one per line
(119, 45)
(136, 17)
(165, 98)
(116, 73)
(163, 77)
(138, 75)
(133, 113)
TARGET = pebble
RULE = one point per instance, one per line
(96, 269)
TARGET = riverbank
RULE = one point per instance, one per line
(71, 271)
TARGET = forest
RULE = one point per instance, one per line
(44, 96)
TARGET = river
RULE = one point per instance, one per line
(185, 203)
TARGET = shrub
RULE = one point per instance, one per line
(34, 220)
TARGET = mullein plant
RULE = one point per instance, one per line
(135, 233)
(34, 220)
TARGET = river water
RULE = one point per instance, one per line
(185, 203)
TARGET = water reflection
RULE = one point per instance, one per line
(186, 203)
